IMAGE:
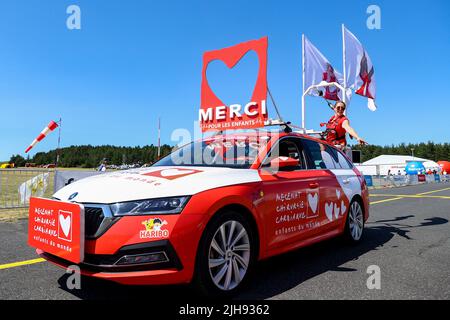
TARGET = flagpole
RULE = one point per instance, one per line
(344, 62)
(303, 82)
(159, 137)
(59, 143)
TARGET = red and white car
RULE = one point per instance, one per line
(210, 210)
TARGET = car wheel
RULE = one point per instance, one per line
(226, 255)
(354, 226)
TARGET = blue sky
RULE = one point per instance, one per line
(133, 61)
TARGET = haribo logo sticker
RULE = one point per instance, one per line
(154, 229)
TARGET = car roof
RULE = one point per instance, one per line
(271, 134)
(246, 135)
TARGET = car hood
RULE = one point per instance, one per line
(154, 182)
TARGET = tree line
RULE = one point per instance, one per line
(430, 150)
(88, 156)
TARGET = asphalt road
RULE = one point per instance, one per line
(407, 236)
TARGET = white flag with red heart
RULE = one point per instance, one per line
(360, 73)
(319, 70)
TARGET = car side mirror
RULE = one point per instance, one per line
(284, 162)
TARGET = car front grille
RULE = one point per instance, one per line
(93, 218)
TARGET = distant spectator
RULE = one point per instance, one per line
(399, 173)
(102, 167)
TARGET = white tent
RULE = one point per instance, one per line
(432, 166)
(392, 159)
(382, 164)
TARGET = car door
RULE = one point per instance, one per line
(288, 217)
(346, 178)
(323, 161)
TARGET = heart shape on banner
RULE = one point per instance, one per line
(313, 201)
(236, 84)
(66, 224)
(211, 114)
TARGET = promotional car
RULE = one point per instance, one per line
(205, 213)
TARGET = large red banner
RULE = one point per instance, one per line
(213, 113)
(57, 227)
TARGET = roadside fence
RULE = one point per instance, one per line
(404, 180)
(18, 185)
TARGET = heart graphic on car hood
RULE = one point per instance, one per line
(154, 182)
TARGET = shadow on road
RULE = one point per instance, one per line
(273, 276)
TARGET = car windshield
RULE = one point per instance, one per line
(235, 152)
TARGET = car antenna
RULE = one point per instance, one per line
(270, 122)
(280, 120)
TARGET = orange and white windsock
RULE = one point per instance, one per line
(50, 127)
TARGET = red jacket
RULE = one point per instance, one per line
(336, 133)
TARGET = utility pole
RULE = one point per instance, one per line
(59, 142)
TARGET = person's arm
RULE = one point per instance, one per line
(352, 132)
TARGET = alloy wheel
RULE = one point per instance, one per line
(356, 222)
(229, 255)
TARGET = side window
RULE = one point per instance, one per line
(321, 155)
(343, 161)
(287, 148)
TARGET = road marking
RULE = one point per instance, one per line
(428, 192)
(385, 200)
(20, 263)
(409, 196)
(402, 196)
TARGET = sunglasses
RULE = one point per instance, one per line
(340, 107)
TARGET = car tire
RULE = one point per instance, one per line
(226, 255)
(354, 225)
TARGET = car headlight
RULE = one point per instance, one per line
(170, 205)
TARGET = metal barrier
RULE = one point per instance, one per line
(403, 180)
(18, 185)
(63, 178)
